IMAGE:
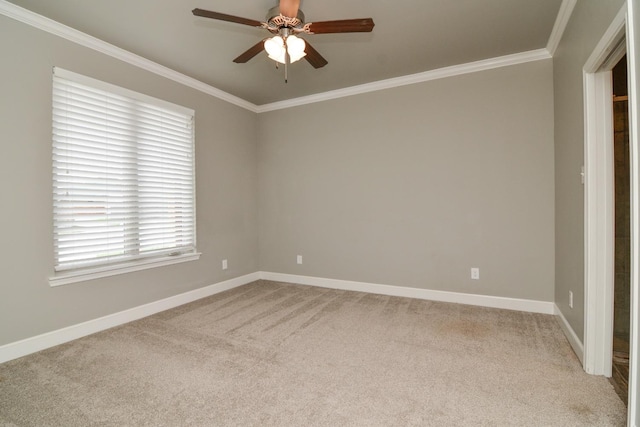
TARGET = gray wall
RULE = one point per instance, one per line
(415, 185)
(410, 186)
(589, 21)
(226, 162)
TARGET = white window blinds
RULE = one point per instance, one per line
(123, 174)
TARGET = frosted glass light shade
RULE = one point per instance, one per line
(295, 47)
(275, 49)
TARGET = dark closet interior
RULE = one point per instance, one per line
(622, 230)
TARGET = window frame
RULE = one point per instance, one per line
(68, 275)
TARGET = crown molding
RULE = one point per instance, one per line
(440, 73)
(566, 9)
(53, 27)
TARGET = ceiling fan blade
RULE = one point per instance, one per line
(225, 17)
(313, 56)
(250, 53)
(363, 25)
(289, 8)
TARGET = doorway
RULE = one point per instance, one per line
(622, 232)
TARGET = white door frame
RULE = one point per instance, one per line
(598, 198)
(633, 61)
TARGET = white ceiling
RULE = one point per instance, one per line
(410, 36)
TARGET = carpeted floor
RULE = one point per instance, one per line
(287, 355)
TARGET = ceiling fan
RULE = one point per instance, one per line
(286, 20)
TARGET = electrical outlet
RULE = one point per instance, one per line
(299, 259)
(224, 264)
(570, 299)
(475, 273)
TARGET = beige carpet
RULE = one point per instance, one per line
(288, 355)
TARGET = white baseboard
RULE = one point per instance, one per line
(576, 343)
(531, 306)
(50, 339)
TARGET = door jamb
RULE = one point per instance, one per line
(598, 168)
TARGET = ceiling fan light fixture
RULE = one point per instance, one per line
(283, 21)
(277, 47)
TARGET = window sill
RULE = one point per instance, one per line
(65, 278)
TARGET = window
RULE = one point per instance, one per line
(123, 177)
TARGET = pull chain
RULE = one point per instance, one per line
(287, 59)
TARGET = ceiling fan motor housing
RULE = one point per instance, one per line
(276, 21)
